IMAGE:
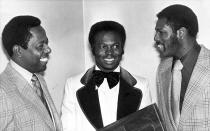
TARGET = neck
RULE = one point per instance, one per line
(106, 70)
(19, 61)
(185, 46)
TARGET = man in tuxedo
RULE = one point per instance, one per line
(183, 76)
(25, 102)
(106, 92)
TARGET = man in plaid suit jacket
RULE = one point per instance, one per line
(175, 39)
(21, 109)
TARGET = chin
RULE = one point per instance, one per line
(42, 69)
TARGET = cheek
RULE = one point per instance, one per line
(99, 53)
(166, 36)
(118, 52)
(37, 54)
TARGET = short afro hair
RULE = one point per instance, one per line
(180, 16)
(106, 26)
(17, 32)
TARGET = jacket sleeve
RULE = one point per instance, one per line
(68, 108)
(6, 112)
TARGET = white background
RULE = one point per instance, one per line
(67, 24)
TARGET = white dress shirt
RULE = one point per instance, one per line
(108, 99)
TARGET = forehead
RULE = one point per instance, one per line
(161, 23)
(38, 31)
(38, 36)
(107, 35)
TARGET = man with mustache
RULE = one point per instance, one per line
(106, 92)
(25, 102)
(183, 76)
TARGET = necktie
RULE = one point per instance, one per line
(37, 87)
(176, 88)
(112, 78)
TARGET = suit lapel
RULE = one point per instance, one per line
(129, 99)
(24, 89)
(88, 100)
(165, 79)
(51, 104)
(38, 105)
(166, 85)
(196, 84)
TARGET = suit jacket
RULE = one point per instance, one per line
(81, 109)
(195, 114)
(20, 107)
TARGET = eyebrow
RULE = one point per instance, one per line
(158, 29)
(44, 41)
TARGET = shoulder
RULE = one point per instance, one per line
(73, 83)
(75, 79)
(204, 57)
(140, 79)
(128, 74)
(142, 82)
(165, 63)
(134, 79)
(5, 81)
(82, 77)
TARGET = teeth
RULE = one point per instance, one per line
(44, 59)
(161, 47)
(109, 60)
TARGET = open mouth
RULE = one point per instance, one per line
(160, 46)
(45, 59)
(109, 60)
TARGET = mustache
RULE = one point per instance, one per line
(45, 56)
(156, 43)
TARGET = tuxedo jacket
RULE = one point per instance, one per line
(81, 107)
(21, 109)
(195, 113)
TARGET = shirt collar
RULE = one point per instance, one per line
(116, 70)
(26, 74)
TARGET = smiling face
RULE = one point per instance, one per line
(166, 41)
(35, 57)
(107, 50)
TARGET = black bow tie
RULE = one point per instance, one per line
(112, 78)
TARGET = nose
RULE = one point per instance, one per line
(47, 50)
(156, 37)
(109, 50)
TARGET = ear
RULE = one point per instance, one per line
(17, 50)
(181, 33)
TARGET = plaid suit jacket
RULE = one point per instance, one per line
(20, 107)
(195, 114)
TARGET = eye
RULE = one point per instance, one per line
(116, 46)
(161, 33)
(40, 46)
(103, 46)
